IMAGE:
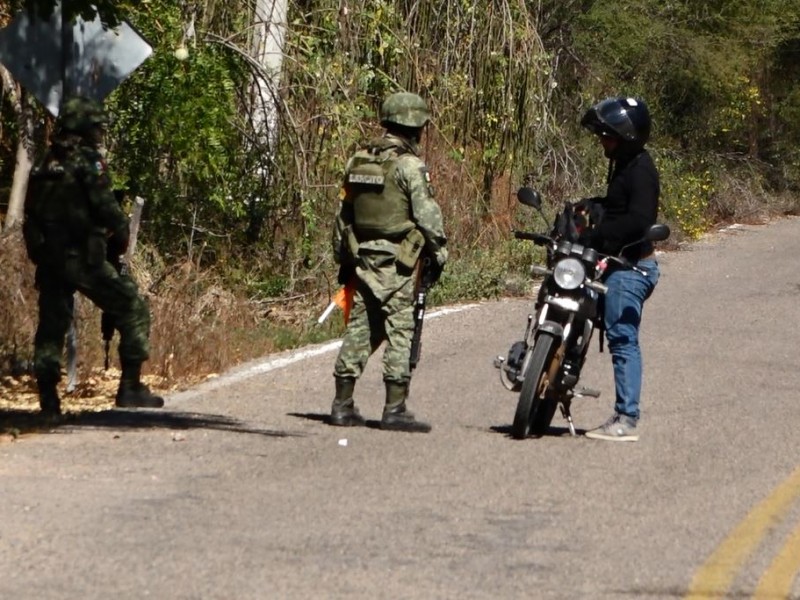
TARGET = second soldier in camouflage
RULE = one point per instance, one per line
(71, 218)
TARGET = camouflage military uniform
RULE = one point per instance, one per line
(71, 217)
(388, 219)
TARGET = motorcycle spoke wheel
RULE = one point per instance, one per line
(533, 387)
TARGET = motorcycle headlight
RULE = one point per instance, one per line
(569, 273)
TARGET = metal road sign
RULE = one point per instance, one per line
(52, 59)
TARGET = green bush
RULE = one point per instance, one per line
(686, 191)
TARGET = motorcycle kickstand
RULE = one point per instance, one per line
(568, 416)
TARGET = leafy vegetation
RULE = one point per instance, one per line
(249, 217)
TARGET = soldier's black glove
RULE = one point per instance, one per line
(434, 271)
(346, 273)
(118, 243)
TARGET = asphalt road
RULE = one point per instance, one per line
(238, 489)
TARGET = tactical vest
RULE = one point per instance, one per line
(381, 209)
(58, 204)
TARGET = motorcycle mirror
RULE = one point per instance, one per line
(657, 233)
(529, 197)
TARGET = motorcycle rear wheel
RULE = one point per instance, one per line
(533, 387)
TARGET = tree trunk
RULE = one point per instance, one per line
(269, 32)
(24, 159)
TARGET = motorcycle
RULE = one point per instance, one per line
(545, 366)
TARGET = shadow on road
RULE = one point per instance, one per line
(21, 422)
(325, 418)
(318, 417)
(551, 432)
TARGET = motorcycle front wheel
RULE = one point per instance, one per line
(544, 416)
(533, 387)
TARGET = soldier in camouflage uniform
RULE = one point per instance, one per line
(387, 221)
(71, 219)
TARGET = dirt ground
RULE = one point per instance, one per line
(19, 402)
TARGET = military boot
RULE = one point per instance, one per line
(343, 411)
(132, 393)
(49, 402)
(395, 415)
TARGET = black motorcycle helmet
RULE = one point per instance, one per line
(625, 118)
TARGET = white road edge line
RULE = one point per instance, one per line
(260, 367)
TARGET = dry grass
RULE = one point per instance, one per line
(744, 200)
(194, 325)
(458, 192)
(18, 299)
(198, 329)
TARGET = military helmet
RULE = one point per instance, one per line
(406, 109)
(80, 115)
(627, 119)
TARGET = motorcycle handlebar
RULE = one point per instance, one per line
(625, 263)
(621, 261)
(544, 240)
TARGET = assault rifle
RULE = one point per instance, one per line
(426, 277)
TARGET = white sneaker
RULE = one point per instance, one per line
(618, 428)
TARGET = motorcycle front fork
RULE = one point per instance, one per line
(528, 329)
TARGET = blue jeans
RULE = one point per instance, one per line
(627, 291)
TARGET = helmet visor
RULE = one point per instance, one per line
(615, 116)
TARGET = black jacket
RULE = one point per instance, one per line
(631, 206)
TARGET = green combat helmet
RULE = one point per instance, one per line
(80, 115)
(406, 109)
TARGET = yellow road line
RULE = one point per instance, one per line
(714, 578)
(776, 582)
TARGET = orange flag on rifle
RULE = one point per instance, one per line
(343, 298)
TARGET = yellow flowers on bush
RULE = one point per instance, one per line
(685, 196)
(744, 103)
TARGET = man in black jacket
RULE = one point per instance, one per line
(630, 208)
